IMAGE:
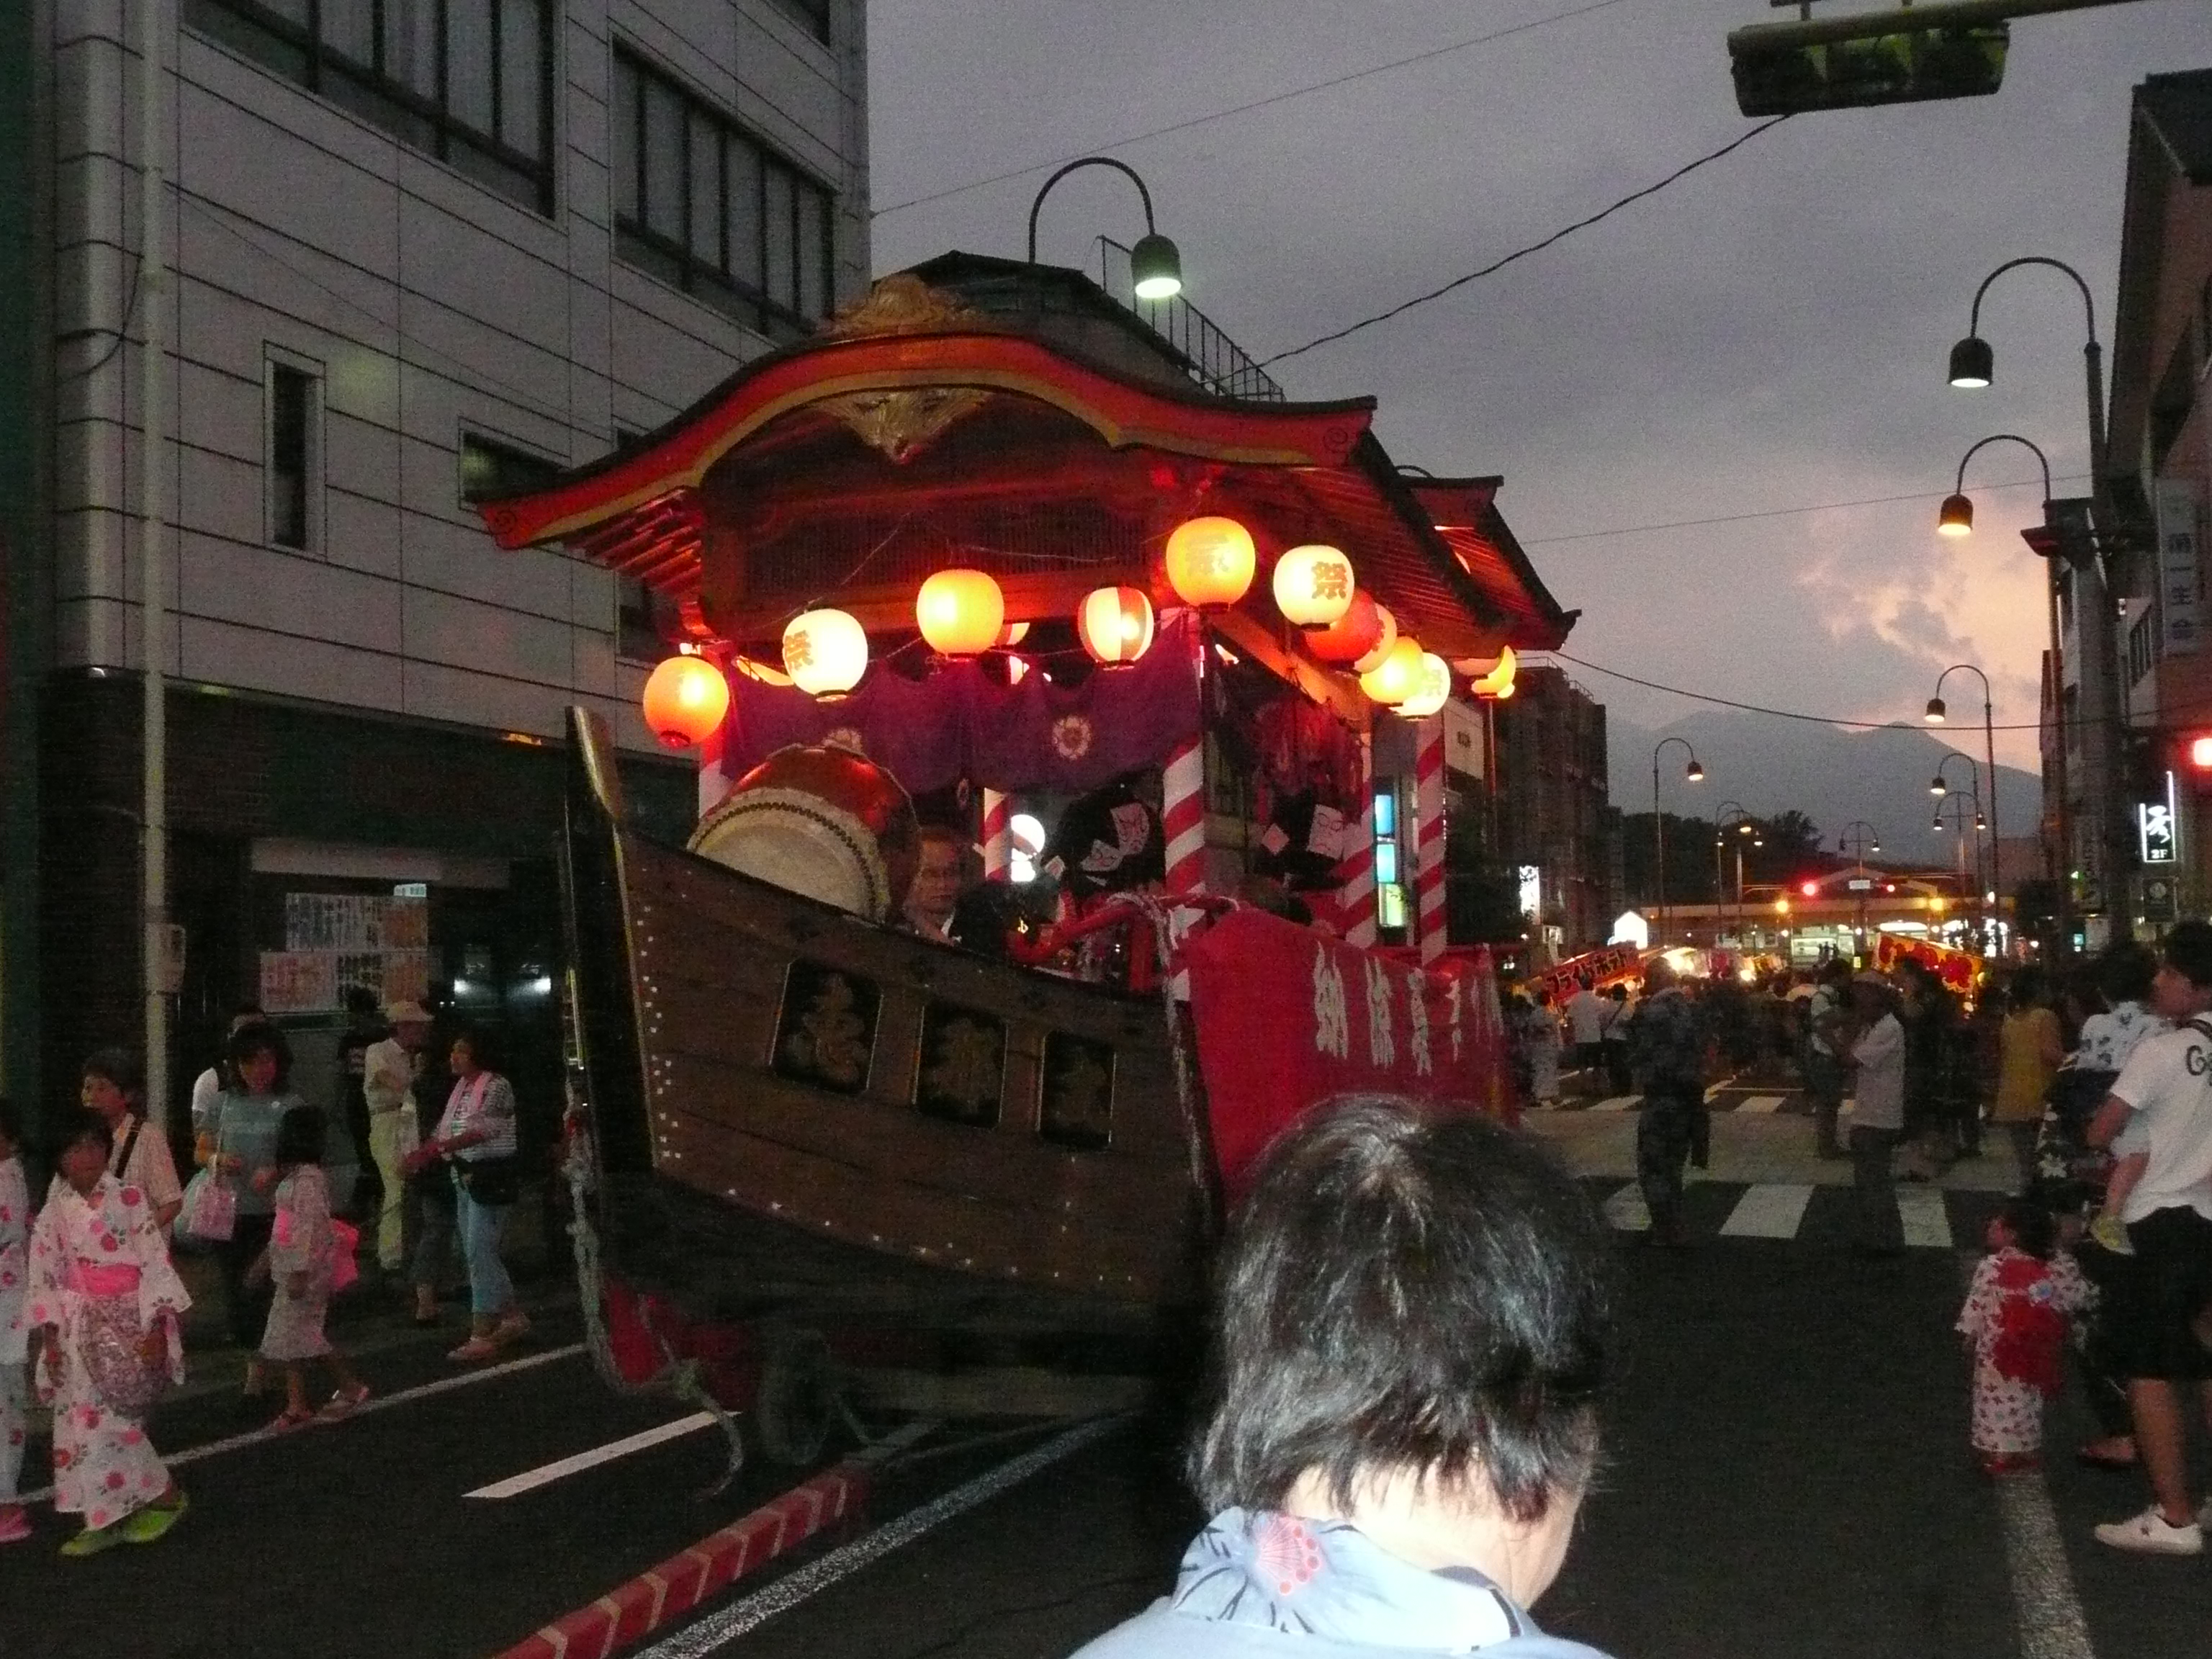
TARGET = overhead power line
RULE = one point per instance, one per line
(1245, 109)
(1785, 511)
(1496, 265)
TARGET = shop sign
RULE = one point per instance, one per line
(355, 921)
(2158, 837)
(2174, 504)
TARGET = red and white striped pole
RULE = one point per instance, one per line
(998, 835)
(1182, 816)
(1429, 836)
(1356, 888)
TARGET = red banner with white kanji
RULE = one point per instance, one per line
(1287, 1016)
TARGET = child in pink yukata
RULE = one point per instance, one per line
(103, 1315)
(14, 1291)
(2023, 1293)
(308, 1253)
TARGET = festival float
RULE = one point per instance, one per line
(990, 549)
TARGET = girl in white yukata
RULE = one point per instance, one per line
(308, 1255)
(2023, 1293)
(103, 1315)
(15, 1290)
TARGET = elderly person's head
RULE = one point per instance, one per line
(1414, 1328)
(1658, 974)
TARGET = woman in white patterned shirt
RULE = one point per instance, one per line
(477, 1138)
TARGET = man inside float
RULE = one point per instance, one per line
(935, 892)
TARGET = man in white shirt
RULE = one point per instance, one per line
(387, 1081)
(1878, 1054)
(1586, 1023)
(1824, 1064)
(2153, 1319)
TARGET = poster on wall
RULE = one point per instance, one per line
(297, 982)
(355, 922)
(335, 942)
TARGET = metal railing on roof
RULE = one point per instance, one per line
(1209, 356)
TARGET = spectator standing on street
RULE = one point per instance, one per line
(1385, 1486)
(104, 1312)
(305, 1258)
(1619, 1075)
(1541, 1031)
(2024, 1291)
(2154, 1322)
(1668, 1046)
(388, 1075)
(218, 1078)
(2030, 1050)
(1585, 1013)
(1825, 1066)
(477, 1136)
(14, 1335)
(238, 1137)
(433, 1260)
(113, 1085)
(364, 1029)
(1877, 1053)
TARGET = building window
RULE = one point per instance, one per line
(812, 15)
(2066, 602)
(704, 205)
(2144, 645)
(469, 81)
(638, 637)
(292, 456)
(490, 468)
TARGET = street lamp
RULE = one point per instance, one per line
(1959, 511)
(1858, 838)
(1155, 266)
(1966, 801)
(1939, 786)
(1694, 773)
(1727, 814)
(1973, 367)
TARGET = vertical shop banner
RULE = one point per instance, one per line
(1287, 1016)
(2180, 584)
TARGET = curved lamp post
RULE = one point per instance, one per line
(1973, 366)
(1694, 773)
(1858, 838)
(1967, 802)
(1727, 814)
(1956, 518)
(1989, 768)
(1155, 266)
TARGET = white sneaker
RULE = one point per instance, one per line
(2152, 1534)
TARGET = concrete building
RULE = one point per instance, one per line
(416, 249)
(1552, 798)
(2161, 457)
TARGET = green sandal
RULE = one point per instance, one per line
(94, 1539)
(152, 1523)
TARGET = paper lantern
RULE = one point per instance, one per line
(960, 612)
(1351, 635)
(1210, 562)
(1398, 676)
(1496, 680)
(1384, 642)
(1313, 586)
(1432, 690)
(1115, 625)
(1013, 633)
(685, 700)
(825, 653)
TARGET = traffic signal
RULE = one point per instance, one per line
(1904, 66)
(2200, 751)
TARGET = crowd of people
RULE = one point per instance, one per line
(423, 1152)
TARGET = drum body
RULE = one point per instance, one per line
(824, 822)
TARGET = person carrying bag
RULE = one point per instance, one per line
(477, 1135)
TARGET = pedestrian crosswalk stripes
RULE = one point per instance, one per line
(1618, 1103)
(1931, 1218)
(1761, 1103)
(1773, 1209)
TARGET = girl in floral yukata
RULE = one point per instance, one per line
(2016, 1320)
(103, 1315)
(15, 1278)
(304, 1259)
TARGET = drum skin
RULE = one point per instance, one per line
(821, 821)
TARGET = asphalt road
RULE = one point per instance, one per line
(1786, 1472)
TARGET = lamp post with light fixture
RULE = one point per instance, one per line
(1155, 265)
(1727, 814)
(1965, 803)
(1694, 773)
(1973, 367)
(1858, 838)
(1956, 518)
(1940, 785)
(1935, 716)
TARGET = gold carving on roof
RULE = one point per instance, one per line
(903, 421)
(901, 303)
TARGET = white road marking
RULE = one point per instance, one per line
(1772, 1209)
(379, 1403)
(529, 1480)
(1927, 1223)
(1617, 1103)
(1762, 1103)
(712, 1634)
(1626, 1211)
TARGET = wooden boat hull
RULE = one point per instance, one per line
(799, 1115)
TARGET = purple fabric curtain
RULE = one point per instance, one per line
(956, 724)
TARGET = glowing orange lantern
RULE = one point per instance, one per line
(1115, 625)
(1351, 635)
(1432, 690)
(1210, 562)
(1013, 633)
(1492, 679)
(1384, 641)
(1313, 586)
(960, 612)
(685, 700)
(1398, 676)
(825, 653)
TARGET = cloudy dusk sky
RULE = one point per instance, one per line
(1765, 337)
